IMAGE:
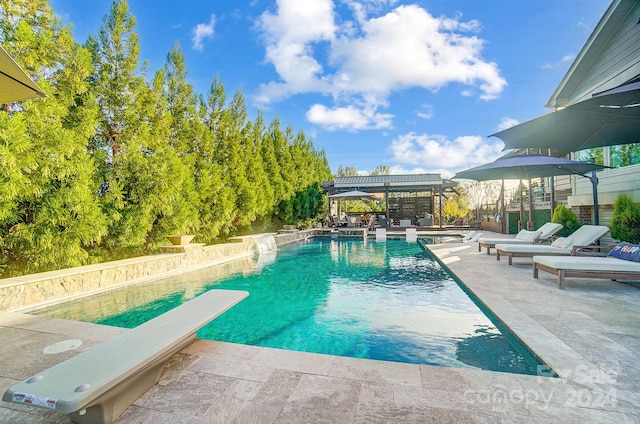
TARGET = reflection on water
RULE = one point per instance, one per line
(388, 301)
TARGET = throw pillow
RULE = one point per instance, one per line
(562, 243)
(626, 251)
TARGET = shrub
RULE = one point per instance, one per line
(566, 217)
(625, 222)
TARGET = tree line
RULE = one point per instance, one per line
(114, 160)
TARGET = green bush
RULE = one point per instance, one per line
(566, 217)
(625, 222)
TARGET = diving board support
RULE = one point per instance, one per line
(96, 386)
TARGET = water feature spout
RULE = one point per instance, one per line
(265, 243)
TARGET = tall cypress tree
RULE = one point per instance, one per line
(213, 185)
(49, 213)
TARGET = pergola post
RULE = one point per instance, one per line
(386, 202)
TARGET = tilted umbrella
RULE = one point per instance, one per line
(15, 84)
(607, 119)
(526, 167)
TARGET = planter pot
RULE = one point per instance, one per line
(180, 239)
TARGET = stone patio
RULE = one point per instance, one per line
(588, 334)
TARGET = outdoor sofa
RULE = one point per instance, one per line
(622, 262)
(563, 246)
(543, 233)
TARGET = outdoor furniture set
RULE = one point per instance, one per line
(561, 258)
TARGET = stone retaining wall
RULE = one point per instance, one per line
(28, 291)
(36, 289)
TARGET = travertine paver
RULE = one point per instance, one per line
(588, 333)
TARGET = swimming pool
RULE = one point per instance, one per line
(375, 300)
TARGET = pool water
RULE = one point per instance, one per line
(376, 300)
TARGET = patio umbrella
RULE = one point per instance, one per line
(15, 84)
(524, 167)
(527, 167)
(352, 195)
(607, 119)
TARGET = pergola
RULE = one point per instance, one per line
(410, 183)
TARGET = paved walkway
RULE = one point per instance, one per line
(589, 334)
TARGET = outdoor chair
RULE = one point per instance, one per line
(473, 238)
(543, 233)
(622, 262)
(427, 221)
(382, 220)
(581, 238)
(469, 235)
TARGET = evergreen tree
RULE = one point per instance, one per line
(625, 221)
(49, 213)
(255, 169)
(217, 197)
(235, 144)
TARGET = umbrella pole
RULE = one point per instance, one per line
(502, 208)
(596, 206)
(521, 222)
(530, 223)
(553, 195)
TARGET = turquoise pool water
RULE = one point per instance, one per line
(375, 300)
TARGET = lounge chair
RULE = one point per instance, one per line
(543, 233)
(473, 238)
(469, 235)
(582, 237)
(622, 262)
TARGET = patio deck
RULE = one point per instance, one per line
(588, 333)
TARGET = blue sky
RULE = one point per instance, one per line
(417, 86)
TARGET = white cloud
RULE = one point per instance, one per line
(371, 56)
(348, 118)
(290, 36)
(507, 123)
(203, 31)
(429, 151)
(362, 9)
(401, 170)
(410, 48)
(562, 63)
(425, 112)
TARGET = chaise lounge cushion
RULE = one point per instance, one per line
(587, 263)
(523, 237)
(583, 236)
(626, 251)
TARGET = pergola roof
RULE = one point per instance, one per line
(391, 183)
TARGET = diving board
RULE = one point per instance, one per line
(96, 386)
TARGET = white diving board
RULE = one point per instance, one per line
(97, 385)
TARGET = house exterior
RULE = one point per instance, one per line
(610, 58)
